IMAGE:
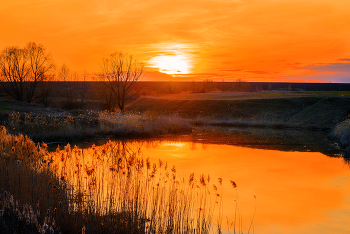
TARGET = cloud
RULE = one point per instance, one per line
(257, 36)
(156, 76)
(321, 77)
(159, 76)
(258, 72)
(202, 75)
(329, 67)
(233, 70)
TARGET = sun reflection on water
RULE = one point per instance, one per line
(294, 191)
(177, 144)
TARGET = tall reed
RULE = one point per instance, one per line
(106, 189)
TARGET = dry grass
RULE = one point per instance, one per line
(65, 127)
(277, 109)
(341, 134)
(26, 203)
(131, 124)
(106, 189)
(229, 95)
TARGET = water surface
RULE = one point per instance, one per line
(296, 190)
(287, 181)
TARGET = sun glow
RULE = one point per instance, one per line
(171, 64)
(177, 144)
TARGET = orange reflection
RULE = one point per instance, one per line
(112, 179)
(295, 191)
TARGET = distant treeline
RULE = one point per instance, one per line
(93, 88)
(96, 95)
(172, 87)
(160, 87)
(300, 86)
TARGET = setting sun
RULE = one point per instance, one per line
(171, 64)
(175, 110)
(262, 41)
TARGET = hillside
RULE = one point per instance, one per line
(299, 110)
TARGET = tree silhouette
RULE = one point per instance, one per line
(23, 69)
(120, 72)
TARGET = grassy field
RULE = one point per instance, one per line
(323, 92)
(317, 110)
(178, 113)
(229, 95)
(249, 95)
(264, 109)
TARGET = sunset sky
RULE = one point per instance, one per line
(253, 40)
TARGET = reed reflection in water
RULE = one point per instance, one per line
(278, 192)
(296, 192)
(143, 194)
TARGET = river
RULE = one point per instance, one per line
(287, 181)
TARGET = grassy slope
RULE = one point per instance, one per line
(258, 109)
(310, 111)
(10, 106)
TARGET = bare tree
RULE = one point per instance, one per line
(22, 69)
(120, 72)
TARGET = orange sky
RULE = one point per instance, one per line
(253, 40)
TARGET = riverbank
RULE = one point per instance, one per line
(147, 117)
(181, 113)
(267, 109)
(271, 110)
(104, 189)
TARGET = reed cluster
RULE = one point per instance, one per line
(67, 127)
(28, 189)
(131, 124)
(105, 189)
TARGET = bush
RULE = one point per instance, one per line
(341, 134)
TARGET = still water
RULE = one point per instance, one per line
(287, 182)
